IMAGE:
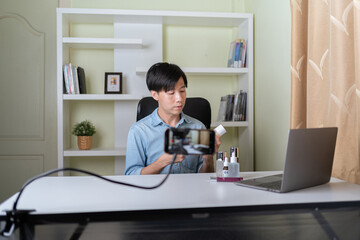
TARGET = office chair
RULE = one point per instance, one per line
(195, 107)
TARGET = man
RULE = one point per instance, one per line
(145, 145)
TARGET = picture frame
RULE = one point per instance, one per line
(113, 82)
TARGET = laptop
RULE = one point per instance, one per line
(308, 162)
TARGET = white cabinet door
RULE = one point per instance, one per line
(27, 91)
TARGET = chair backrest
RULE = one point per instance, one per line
(195, 107)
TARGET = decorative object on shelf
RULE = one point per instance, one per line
(84, 131)
(113, 82)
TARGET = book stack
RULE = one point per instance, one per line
(237, 53)
(74, 79)
(233, 107)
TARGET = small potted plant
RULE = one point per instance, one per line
(84, 131)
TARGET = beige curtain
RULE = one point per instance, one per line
(325, 79)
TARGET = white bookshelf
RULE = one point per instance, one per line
(137, 44)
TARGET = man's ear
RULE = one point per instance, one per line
(155, 95)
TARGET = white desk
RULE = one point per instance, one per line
(185, 192)
(51, 195)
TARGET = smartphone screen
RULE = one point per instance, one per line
(189, 141)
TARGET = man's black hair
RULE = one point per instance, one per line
(164, 76)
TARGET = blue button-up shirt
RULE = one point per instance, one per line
(145, 144)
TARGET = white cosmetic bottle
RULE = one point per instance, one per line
(220, 130)
(233, 166)
(219, 164)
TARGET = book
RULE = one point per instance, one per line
(75, 79)
(222, 109)
(229, 107)
(240, 53)
(231, 54)
(71, 79)
(243, 53)
(237, 106)
(237, 53)
(244, 106)
(81, 79)
(66, 79)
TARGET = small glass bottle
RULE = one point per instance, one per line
(220, 163)
(226, 168)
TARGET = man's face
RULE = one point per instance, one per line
(173, 101)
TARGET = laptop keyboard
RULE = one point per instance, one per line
(273, 185)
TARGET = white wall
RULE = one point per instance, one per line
(272, 32)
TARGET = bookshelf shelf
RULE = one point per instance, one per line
(216, 19)
(96, 97)
(231, 124)
(137, 43)
(102, 42)
(204, 70)
(94, 152)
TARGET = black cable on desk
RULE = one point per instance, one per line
(12, 215)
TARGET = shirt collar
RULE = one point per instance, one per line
(156, 120)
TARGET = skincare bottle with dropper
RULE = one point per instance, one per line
(226, 168)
